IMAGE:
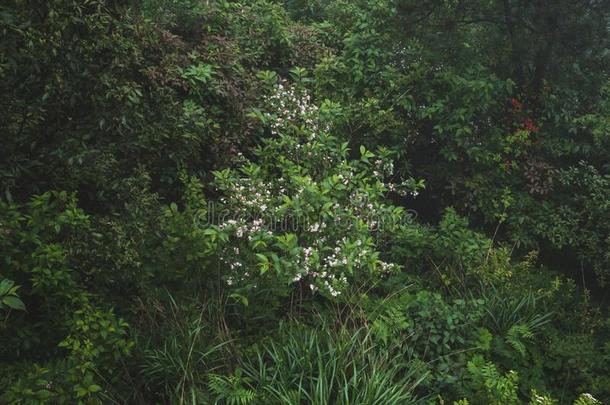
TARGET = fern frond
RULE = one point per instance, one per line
(515, 335)
(230, 390)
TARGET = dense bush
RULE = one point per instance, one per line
(304, 202)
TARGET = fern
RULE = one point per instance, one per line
(391, 322)
(488, 383)
(537, 399)
(515, 337)
(230, 390)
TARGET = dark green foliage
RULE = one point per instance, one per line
(304, 202)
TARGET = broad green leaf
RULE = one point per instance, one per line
(13, 302)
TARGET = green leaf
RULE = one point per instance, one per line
(243, 299)
(259, 243)
(13, 302)
(263, 262)
(5, 286)
(276, 263)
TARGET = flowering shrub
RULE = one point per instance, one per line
(305, 214)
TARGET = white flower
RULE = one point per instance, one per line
(308, 251)
(314, 227)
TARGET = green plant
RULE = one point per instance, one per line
(586, 399)
(306, 365)
(186, 355)
(9, 297)
(304, 214)
(304, 201)
(489, 386)
(230, 389)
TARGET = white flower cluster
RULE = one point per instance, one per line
(401, 189)
(387, 268)
(317, 227)
(247, 229)
(247, 195)
(383, 168)
(344, 179)
(236, 265)
(291, 107)
(335, 259)
(364, 209)
(330, 282)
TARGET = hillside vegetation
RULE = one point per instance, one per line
(348, 202)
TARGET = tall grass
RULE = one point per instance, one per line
(178, 367)
(321, 366)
